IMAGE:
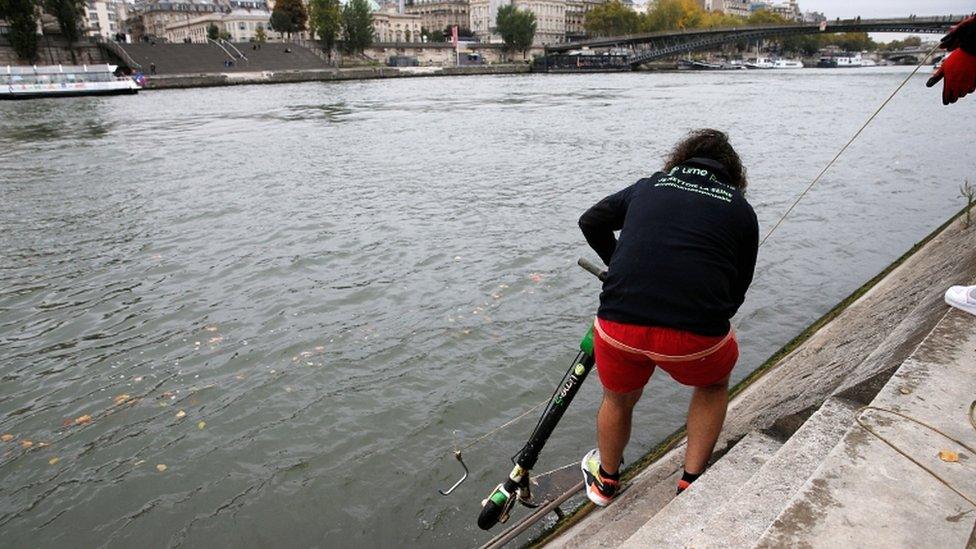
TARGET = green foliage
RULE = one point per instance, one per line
(895, 45)
(668, 15)
(289, 16)
(223, 35)
(434, 35)
(69, 14)
(517, 27)
(673, 15)
(804, 44)
(849, 41)
(357, 26)
(213, 32)
(22, 20)
(611, 19)
(260, 35)
(766, 17)
(325, 20)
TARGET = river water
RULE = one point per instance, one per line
(256, 316)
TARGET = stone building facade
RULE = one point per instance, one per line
(241, 25)
(389, 26)
(550, 18)
(440, 14)
(106, 18)
(576, 11)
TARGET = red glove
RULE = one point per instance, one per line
(959, 70)
(961, 35)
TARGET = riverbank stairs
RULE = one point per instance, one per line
(841, 473)
(222, 57)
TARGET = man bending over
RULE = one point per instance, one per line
(678, 273)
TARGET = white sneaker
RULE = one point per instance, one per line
(962, 297)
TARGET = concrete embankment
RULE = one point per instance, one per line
(797, 465)
(321, 75)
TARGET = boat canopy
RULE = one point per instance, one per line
(60, 69)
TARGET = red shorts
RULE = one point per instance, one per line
(626, 355)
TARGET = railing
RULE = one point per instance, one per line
(219, 45)
(233, 47)
(313, 47)
(118, 50)
(905, 24)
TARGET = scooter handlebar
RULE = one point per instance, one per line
(593, 268)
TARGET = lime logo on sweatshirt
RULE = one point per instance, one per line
(717, 193)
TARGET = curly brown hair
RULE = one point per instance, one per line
(712, 144)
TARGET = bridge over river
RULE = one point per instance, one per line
(646, 47)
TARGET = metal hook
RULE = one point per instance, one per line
(457, 455)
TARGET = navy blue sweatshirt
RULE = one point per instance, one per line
(686, 253)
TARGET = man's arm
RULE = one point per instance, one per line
(599, 222)
(749, 250)
(959, 66)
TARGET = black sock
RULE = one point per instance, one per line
(690, 477)
(608, 476)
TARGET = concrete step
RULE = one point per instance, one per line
(867, 494)
(681, 517)
(744, 517)
(641, 500)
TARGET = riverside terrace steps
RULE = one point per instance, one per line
(850, 356)
(209, 58)
(743, 517)
(684, 515)
(866, 494)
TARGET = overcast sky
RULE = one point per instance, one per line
(887, 8)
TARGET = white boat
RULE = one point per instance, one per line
(766, 63)
(33, 82)
(760, 63)
(787, 64)
(849, 61)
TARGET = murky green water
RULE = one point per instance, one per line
(328, 279)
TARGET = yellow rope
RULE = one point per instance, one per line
(848, 144)
(857, 418)
(502, 426)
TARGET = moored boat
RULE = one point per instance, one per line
(842, 61)
(32, 82)
(767, 63)
(787, 64)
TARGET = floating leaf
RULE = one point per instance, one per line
(53, 461)
(122, 399)
(180, 415)
(949, 456)
(211, 328)
(6, 437)
(140, 462)
(26, 444)
(535, 277)
(83, 420)
(161, 467)
(42, 445)
(201, 425)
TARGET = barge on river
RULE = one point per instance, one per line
(63, 81)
